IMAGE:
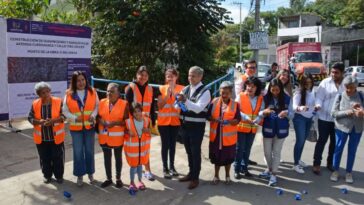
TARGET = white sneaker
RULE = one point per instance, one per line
(349, 178)
(79, 181)
(334, 176)
(298, 169)
(91, 178)
(272, 181)
(302, 164)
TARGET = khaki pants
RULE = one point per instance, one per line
(272, 152)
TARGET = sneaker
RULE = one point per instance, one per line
(91, 178)
(166, 174)
(247, 173)
(302, 164)
(173, 172)
(272, 181)
(265, 175)
(349, 178)
(237, 175)
(149, 176)
(106, 183)
(47, 180)
(334, 176)
(79, 181)
(298, 169)
(119, 183)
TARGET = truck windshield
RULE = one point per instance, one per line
(308, 57)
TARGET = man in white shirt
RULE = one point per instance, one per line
(195, 97)
(250, 70)
(325, 95)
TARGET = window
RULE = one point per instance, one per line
(309, 40)
(293, 24)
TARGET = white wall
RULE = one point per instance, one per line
(3, 70)
(301, 32)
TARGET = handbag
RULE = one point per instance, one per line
(312, 136)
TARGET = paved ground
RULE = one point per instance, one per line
(21, 179)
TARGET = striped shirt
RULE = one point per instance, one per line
(46, 112)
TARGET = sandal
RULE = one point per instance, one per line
(228, 181)
(141, 186)
(215, 181)
(132, 189)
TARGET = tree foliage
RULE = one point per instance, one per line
(24, 9)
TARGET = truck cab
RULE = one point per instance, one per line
(309, 62)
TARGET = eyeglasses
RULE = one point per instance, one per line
(250, 67)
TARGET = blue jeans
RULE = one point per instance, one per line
(83, 152)
(341, 138)
(302, 126)
(136, 170)
(243, 148)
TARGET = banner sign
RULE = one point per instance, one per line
(39, 51)
(258, 40)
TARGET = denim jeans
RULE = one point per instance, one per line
(83, 152)
(341, 138)
(325, 129)
(302, 126)
(243, 148)
(136, 170)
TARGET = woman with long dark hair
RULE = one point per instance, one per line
(304, 107)
(80, 106)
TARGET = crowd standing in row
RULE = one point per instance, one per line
(234, 121)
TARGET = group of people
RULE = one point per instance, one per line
(184, 110)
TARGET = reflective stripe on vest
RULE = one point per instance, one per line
(192, 119)
(246, 108)
(169, 115)
(58, 128)
(87, 110)
(112, 136)
(228, 133)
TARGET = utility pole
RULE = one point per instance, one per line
(256, 26)
(240, 31)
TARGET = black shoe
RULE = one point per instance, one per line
(166, 174)
(59, 180)
(237, 176)
(47, 180)
(106, 183)
(330, 167)
(119, 183)
(247, 173)
(173, 172)
(252, 162)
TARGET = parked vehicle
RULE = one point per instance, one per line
(306, 59)
(263, 68)
(356, 71)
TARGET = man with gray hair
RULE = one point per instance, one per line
(193, 101)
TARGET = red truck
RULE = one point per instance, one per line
(307, 57)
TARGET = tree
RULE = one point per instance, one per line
(23, 9)
(329, 10)
(129, 33)
(353, 13)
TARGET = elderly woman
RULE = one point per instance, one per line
(348, 113)
(46, 117)
(113, 111)
(224, 115)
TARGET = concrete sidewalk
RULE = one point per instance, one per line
(21, 179)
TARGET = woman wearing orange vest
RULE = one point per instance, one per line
(80, 106)
(168, 120)
(46, 117)
(139, 91)
(224, 116)
(113, 111)
(251, 110)
(137, 144)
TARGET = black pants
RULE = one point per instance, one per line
(325, 130)
(193, 135)
(107, 160)
(168, 138)
(51, 158)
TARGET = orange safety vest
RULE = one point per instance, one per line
(246, 108)
(145, 100)
(87, 110)
(137, 147)
(112, 136)
(169, 115)
(244, 77)
(228, 133)
(58, 128)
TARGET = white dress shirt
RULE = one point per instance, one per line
(201, 103)
(310, 104)
(325, 96)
